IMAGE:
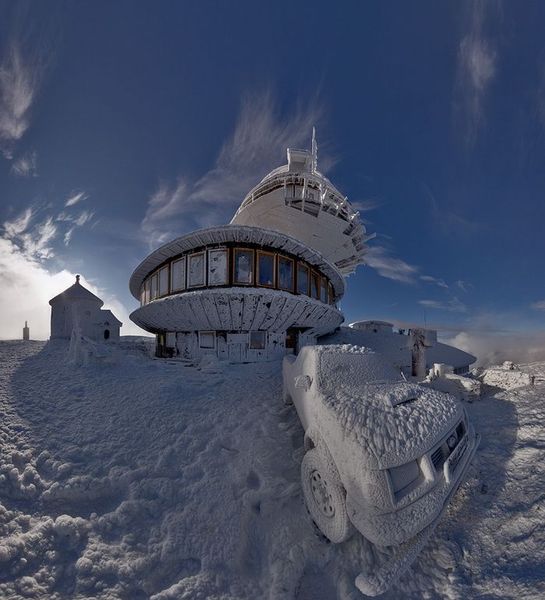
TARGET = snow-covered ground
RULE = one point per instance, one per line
(151, 479)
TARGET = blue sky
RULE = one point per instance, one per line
(123, 124)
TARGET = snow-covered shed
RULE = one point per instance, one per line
(79, 309)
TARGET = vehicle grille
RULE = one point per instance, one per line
(437, 458)
(441, 453)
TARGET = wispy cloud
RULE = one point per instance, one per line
(391, 267)
(438, 282)
(35, 237)
(477, 67)
(14, 228)
(75, 197)
(492, 348)
(449, 222)
(25, 166)
(257, 145)
(451, 305)
(25, 54)
(463, 285)
(20, 78)
(540, 305)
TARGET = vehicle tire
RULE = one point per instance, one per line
(325, 496)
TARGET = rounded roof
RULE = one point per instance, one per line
(76, 292)
(242, 234)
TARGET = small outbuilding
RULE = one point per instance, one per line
(78, 309)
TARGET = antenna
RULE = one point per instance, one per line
(314, 151)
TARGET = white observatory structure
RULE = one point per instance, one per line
(267, 283)
(298, 200)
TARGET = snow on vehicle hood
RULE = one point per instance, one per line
(397, 421)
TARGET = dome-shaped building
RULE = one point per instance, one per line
(298, 200)
(266, 284)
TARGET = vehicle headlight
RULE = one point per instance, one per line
(403, 476)
(452, 440)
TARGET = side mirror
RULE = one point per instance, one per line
(303, 382)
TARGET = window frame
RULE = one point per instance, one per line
(159, 271)
(264, 343)
(274, 274)
(154, 287)
(182, 260)
(204, 333)
(225, 252)
(293, 267)
(330, 293)
(147, 290)
(234, 279)
(303, 265)
(189, 257)
(313, 274)
(323, 290)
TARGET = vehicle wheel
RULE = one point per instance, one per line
(325, 496)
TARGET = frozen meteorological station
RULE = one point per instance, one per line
(256, 447)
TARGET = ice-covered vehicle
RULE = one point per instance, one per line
(382, 454)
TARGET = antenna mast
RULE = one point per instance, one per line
(314, 151)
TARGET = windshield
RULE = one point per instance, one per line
(352, 370)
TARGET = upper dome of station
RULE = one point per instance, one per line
(299, 200)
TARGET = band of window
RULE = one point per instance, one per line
(237, 266)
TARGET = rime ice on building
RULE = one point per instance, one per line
(26, 332)
(77, 309)
(267, 283)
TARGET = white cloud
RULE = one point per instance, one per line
(83, 218)
(75, 197)
(257, 145)
(540, 305)
(388, 266)
(27, 286)
(463, 285)
(38, 243)
(452, 305)
(33, 242)
(36, 240)
(477, 67)
(20, 77)
(438, 282)
(17, 226)
(25, 165)
(492, 348)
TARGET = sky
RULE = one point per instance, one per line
(124, 124)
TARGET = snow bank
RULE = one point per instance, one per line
(505, 378)
(155, 480)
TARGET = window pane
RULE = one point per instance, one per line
(315, 285)
(207, 339)
(244, 266)
(258, 340)
(177, 275)
(285, 273)
(196, 270)
(323, 290)
(147, 290)
(302, 279)
(163, 281)
(266, 269)
(217, 267)
(154, 288)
